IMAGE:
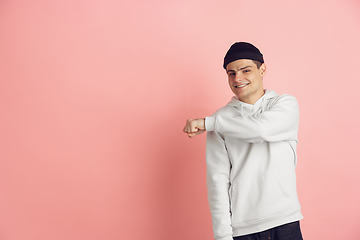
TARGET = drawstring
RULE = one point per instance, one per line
(261, 108)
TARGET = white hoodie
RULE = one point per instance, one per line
(251, 159)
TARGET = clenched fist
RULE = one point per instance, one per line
(194, 127)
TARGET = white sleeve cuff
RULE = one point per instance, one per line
(210, 124)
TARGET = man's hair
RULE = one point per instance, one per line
(258, 64)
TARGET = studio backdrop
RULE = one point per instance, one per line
(94, 96)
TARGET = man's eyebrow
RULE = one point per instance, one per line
(238, 69)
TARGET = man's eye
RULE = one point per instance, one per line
(231, 74)
(246, 71)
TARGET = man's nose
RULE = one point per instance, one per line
(239, 77)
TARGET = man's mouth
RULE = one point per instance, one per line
(242, 85)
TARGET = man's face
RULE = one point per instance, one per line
(245, 80)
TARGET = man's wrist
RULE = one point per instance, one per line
(201, 123)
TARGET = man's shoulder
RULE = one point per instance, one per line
(284, 102)
(284, 98)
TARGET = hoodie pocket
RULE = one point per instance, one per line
(258, 198)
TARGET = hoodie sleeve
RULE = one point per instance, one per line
(277, 123)
(218, 184)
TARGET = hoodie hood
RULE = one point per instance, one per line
(248, 108)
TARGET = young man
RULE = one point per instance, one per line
(251, 155)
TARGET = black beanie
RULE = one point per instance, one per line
(242, 50)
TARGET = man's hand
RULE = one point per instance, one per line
(194, 127)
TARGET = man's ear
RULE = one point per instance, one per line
(262, 69)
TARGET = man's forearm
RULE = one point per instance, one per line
(278, 123)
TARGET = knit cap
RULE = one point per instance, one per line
(242, 50)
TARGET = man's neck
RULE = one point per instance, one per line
(253, 98)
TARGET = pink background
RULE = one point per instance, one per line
(94, 96)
